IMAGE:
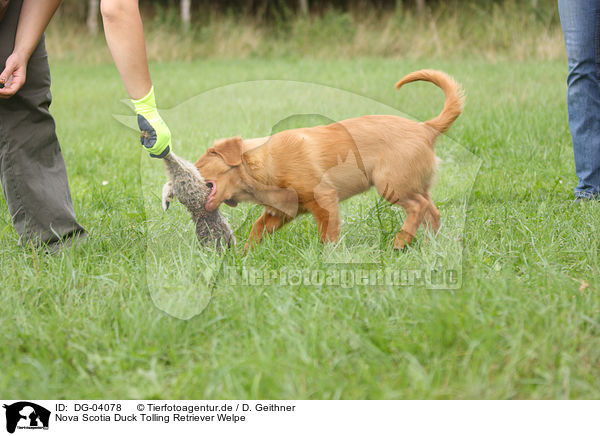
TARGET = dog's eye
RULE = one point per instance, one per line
(209, 185)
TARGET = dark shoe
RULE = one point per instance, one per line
(585, 197)
(70, 242)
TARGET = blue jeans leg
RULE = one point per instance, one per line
(580, 20)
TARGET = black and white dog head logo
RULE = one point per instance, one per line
(26, 415)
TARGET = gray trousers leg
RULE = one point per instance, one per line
(32, 169)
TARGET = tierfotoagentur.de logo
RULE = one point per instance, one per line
(24, 415)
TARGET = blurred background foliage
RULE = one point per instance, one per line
(188, 29)
(285, 9)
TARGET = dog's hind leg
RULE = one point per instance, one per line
(415, 206)
(432, 218)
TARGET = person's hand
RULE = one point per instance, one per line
(13, 76)
(156, 136)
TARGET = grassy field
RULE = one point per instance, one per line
(525, 322)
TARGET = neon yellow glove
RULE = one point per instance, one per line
(156, 136)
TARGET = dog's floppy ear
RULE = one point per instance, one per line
(229, 149)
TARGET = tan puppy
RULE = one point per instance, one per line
(313, 169)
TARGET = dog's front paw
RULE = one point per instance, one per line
(167, 195)
(403, 240)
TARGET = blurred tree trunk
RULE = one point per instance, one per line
(92, 17)
(304, 10)
(186, 15)
(420, 4)
(261, 10)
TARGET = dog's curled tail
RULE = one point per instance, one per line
(454, 96)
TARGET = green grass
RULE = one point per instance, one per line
(521, 325)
